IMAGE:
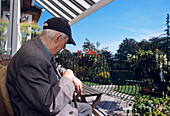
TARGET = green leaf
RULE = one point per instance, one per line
(148, 109)
(154, 113)
(154, 102)
(161, 101)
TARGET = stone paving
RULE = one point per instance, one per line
(112, 105)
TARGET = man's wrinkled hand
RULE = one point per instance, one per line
(78, 84)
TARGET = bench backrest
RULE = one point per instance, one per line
(5, 106)
(5, 59)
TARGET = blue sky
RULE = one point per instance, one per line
(137, 19)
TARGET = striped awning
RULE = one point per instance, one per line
(72, 10)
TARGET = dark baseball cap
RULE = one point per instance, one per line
(61, 25)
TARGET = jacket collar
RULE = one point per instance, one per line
(38, 42)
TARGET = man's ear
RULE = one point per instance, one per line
(57, 38)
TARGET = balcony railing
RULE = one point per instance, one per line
(121, 75)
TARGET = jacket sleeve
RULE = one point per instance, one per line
(39, 88)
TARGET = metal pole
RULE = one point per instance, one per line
(16, 33)
(14, 36)
(10, 24)
(0, 10)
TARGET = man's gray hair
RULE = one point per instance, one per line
(50, 34)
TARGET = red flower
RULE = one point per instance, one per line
(98, 55)
(79, 52)
(91, 52)
(79, 57)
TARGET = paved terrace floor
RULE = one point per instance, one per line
(114, 104)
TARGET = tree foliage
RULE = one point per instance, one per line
(128, 46)
(144, 45)
(89, 46)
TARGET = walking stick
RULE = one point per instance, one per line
(75, 100)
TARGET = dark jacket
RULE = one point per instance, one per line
(33, 86)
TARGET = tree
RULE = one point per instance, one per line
(128, 46)
(98, 44)
(66, 51)
(107, 54)
(88, 46)
(168, 36)
(167, 24)
(144, 45)
(156, 43)
(167, 42)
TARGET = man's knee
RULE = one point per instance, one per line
(89, 108)
(84, 109)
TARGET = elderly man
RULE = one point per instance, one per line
(36, 87)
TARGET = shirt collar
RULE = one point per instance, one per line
(46, 49)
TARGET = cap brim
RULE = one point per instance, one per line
(71, 41)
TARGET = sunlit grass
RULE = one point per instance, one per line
(128, 89)
(90, 83)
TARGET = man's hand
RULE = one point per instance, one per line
(78, 84)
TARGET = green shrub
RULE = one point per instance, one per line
(151, 107)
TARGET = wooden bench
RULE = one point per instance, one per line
(5, 59)
(5, 106)
(88, 92)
